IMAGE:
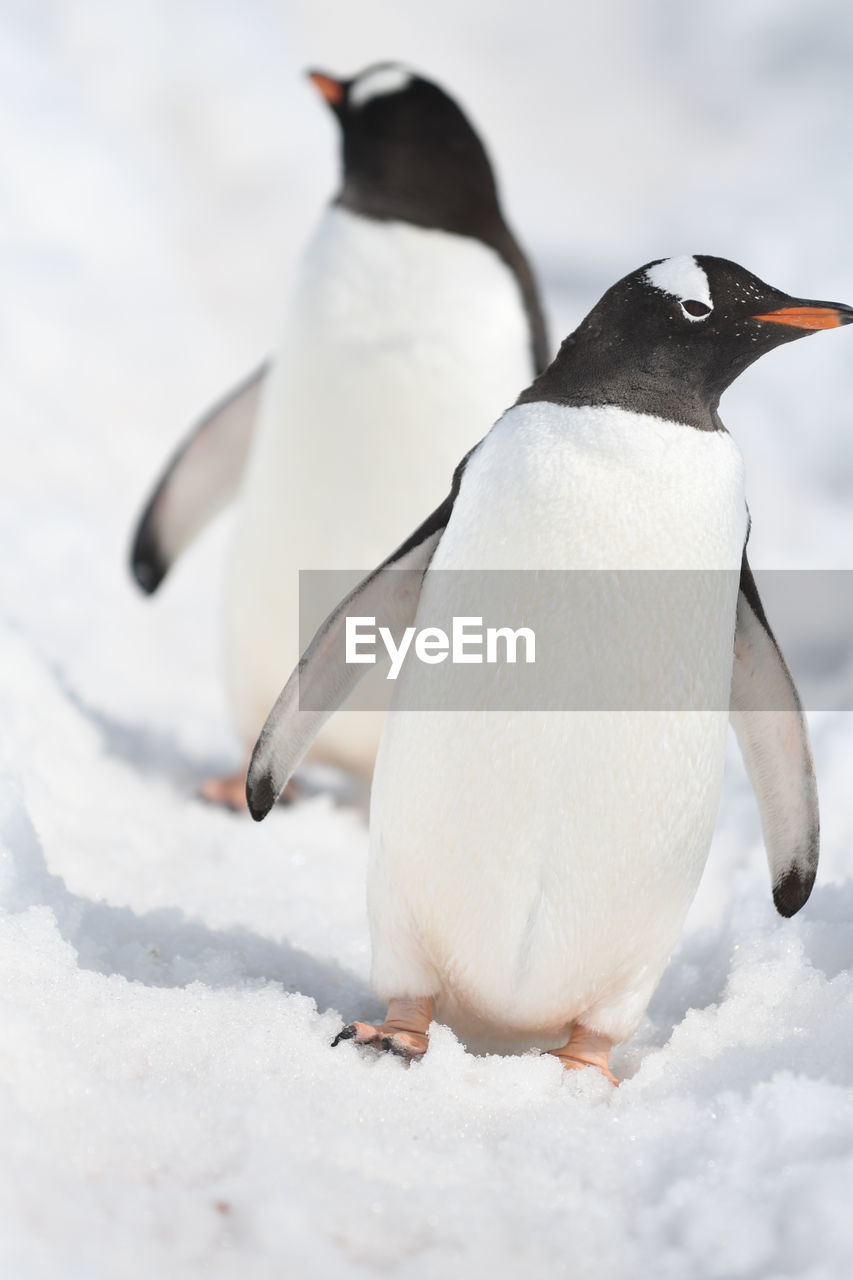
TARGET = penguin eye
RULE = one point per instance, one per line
(695, 310)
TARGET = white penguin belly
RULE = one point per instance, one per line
(402, 345)
(531, 868)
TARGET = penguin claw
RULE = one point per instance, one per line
(408, 1045)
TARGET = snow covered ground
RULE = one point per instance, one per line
(171, 976)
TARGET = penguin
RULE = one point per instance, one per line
(414, 319)
(530, 870)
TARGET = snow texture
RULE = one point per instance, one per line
(171, 976)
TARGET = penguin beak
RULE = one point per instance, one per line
(329, 89)
(810, 315)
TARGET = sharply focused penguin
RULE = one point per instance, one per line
(530, 870)
(414, 320)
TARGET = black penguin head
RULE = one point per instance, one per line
(409, 153)
(708, 317)
(670, 337)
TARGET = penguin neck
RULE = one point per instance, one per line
(590, 370)
(463, 203)
(429, 187)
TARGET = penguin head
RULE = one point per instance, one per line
(670, 337)
(409, 152)
(708, 319)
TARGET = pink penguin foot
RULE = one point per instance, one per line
(586, 1049)
(404, 1031)
(229, 792)
(405, 1044)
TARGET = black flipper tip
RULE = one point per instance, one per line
(792, 891)
(146, 563)
(260, 796)
(148, 576)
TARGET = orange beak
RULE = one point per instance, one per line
(329, 88)
(816, 317)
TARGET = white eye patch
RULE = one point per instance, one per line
(376, 83)
(684, 279)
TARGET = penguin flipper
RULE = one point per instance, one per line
(768, 719)
(199, 480)
(323, 679)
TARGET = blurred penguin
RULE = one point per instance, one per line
(414, 320)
